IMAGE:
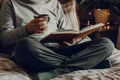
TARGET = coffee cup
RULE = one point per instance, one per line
(45, 16)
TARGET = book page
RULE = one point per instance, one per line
(88, 30)
(91, 27)
(66, 32)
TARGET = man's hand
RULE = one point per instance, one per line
(70, 43)
(37, 25)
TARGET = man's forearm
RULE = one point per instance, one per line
(10, 37)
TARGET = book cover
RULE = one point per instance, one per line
(68, 35)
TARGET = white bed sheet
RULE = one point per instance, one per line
(10, 71)
(112, 73)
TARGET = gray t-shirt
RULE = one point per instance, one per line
(15, 14)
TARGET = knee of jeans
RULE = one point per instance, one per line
(109, 45)
(24, 44)
(22, 50)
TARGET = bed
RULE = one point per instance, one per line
(112, 73)
(10, 71)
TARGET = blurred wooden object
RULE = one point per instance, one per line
(101, 15)
(1, 3)
(118, 39)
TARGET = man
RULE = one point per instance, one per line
(20, 29)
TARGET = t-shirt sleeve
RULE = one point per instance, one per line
(9, 34)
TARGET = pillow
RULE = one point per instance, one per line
(69, 8)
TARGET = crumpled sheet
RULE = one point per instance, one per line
(10, 71)
(96, 74)
(93, 74)
(12, 75)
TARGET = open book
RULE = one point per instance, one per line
(68, 35)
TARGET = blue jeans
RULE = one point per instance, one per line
(33, 55)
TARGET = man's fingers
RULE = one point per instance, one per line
(39, 24)
(74, 41)
(67, 43)
(36, 20)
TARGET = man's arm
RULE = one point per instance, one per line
(9, 35)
